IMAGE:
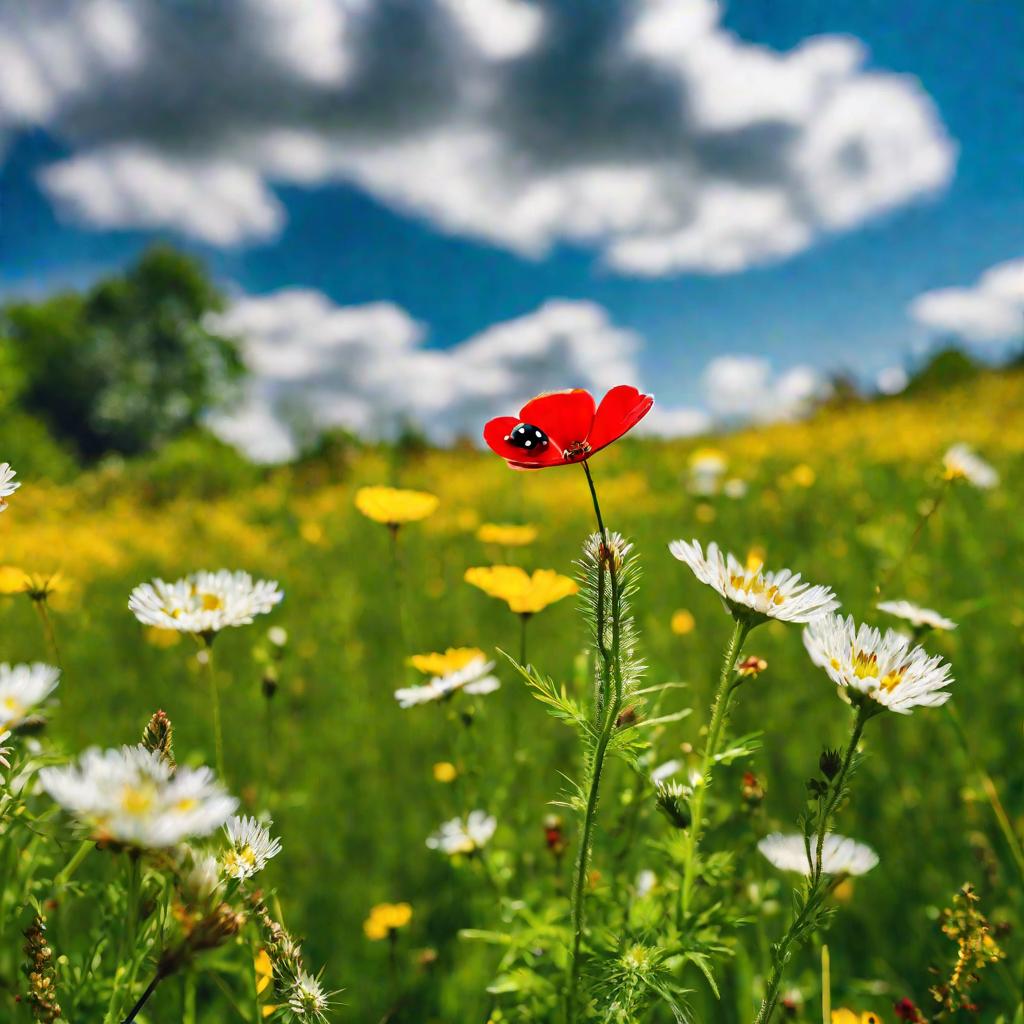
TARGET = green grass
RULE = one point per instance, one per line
(347, 774)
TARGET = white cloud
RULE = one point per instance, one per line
(315, 365)
(641, 128)
(744, 387)
(990, 311)
(130, 187)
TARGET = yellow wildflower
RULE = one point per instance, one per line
(393, 506)
(507, 535)
(13, 580)
(385, 919)
(704, 513)
(311, 532)
(683, 622)
(445, 771)
(523, 593)
(264, 971)
(803, 475)
(435, 664)
(844, 1016)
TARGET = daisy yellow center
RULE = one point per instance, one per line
(755, 586)
(893, 679)
(237, 860)
(865, 665)
(137, 800)
(12, 706)
(186, 804)
(210, 602)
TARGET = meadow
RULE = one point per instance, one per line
(351, 778)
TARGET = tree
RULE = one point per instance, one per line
(944, 368)
(131, 362)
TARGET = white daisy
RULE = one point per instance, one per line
(22, 689)
(5, 735)
(707, 467)
(885, 668)
(251, 847)
(464, 835)
(751, 593)
(916, 615)
(204, 602)
(962, 464)
(7, 485)
(839, 855)
(132, 796)
(307, 998)
(473, 678)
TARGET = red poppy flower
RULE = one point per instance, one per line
(564, 426)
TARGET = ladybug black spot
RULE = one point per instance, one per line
(528, 437)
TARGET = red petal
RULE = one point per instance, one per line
(620, 410)
(498, 429)
(565, 416)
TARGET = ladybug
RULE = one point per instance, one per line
(528, 437)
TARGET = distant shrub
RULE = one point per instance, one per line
(196, 465)
(943, 369)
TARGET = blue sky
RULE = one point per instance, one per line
(838, 301)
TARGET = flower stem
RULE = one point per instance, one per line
(922, 522)
(989, 787)
(72, 865)
(398, 571)
(143, 999)
(818, 884)
(218, 739)
(524, 617)
(611, 691)
(718, 717)
(48, 631)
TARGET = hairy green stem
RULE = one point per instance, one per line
(611, 693)
(718, 718)
(818, 884)
(839, 784)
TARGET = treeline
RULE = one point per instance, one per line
(122, 367)
(130, 364)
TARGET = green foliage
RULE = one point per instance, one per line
(30, 447)
(128, 364)
(943, 369)
(194, 465)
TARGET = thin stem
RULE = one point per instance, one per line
(143, 999)
(399, 579)
(48, 631)
(211, 673)
(126, 944)
(922, 522)
(718, 718)
(826, 986)
(611, 687)
(839, 784)
(523, 619)
(818, 884)
(72, 865)
(989, 788)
